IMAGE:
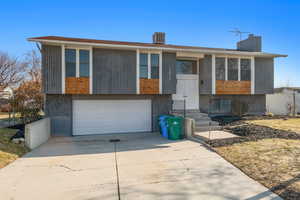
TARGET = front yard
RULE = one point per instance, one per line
(273, 162)
(289, 124)
(268, 150)
(9, 151)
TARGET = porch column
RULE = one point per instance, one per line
(213, 74)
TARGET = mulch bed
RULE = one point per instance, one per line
(251, 132)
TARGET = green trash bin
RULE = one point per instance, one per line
(175, 125)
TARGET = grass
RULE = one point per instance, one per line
(290, 124)
(273, 162)
(9, 151)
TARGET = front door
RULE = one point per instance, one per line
(187, 85)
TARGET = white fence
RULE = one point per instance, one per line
(37, 133)
(279, 103)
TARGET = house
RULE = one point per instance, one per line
(101, 86)
(6, 93)
(284, 101)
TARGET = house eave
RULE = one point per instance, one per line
(134, 47)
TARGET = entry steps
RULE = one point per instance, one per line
(202, 121)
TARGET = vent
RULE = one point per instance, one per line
(158, 38)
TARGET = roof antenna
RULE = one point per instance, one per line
(237, 32)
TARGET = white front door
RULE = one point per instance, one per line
(111, 116)
(187, 88)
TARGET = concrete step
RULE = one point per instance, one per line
(207, 128)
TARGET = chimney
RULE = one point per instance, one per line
(252, 43)
(158, 38)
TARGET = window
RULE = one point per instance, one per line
(70, 57)
(245, 69)
(220, 106)
(186, 67)
(84, 60)
(146, 65)
(71, 62)
(154, 66)
(220, 68)
(233, 71)
(143, 65)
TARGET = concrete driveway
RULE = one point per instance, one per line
(145, 165)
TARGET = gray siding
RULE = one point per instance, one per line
(205, 76)
(256, 103)
(114, 71)
(51, 69)
(264, 75)
(169, 80)
(59, 109)
(252, 43)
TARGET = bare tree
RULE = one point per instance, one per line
(11, 71)
(28, 98)
(33, 65)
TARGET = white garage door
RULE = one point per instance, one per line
(111, 116)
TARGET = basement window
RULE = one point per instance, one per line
(220, 106)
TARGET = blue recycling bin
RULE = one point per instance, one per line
(163, 125)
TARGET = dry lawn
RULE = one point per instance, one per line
(4, 115)
(291, 124)
(8, 150)
(273, 162)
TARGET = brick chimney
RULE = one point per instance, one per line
(158, 38)
(252, 43)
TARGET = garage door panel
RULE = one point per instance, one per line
(111, 116)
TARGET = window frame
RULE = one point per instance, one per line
(239, 66)
(149, 53)
(194, 66)
(77, 72)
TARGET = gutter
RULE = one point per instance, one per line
(207, 51)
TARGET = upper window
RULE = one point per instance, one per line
(84, 60)
(233, 71)
(245, 69)
(71, 62)
(70, 59)
(220, 68)
(143, 65)
(186, 67)
(146, 65)
(154, 66)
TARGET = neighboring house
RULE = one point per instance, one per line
(6, 93)
(284, 100)
(100, 86)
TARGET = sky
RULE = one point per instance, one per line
(197, 23)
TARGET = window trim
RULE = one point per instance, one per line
(252, 69)
(148, 52)
(149, 61)
(63, 64)
(239, 65)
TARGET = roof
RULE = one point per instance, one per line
(95, 42)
